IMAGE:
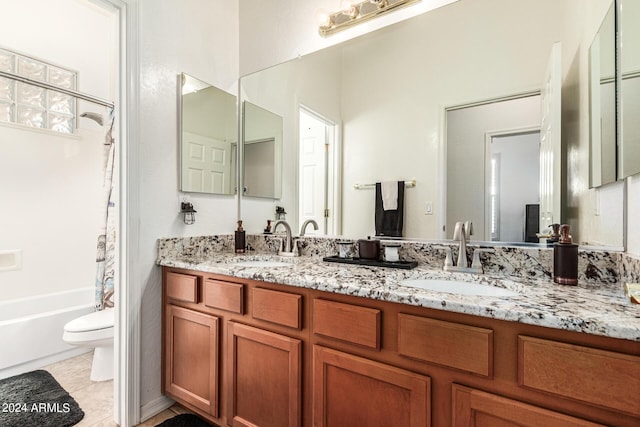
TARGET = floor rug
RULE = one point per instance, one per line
(36, 399)
(185, 420)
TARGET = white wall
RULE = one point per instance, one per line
(200, 38)
(51, 183)
(633, 207)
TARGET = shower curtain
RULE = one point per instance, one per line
(105, 257)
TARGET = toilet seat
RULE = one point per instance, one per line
(92, 329)
(92, 322)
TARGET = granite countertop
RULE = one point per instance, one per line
(592, 309)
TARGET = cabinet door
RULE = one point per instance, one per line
(352, 391)
(265, 377)
(191, 358)
(480, 409)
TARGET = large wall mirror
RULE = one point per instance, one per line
(208, 135)
(378, 105)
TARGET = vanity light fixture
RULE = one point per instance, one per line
(355, 13)
(189, 213)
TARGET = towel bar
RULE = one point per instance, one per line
(411, 183)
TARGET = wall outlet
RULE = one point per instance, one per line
(428, 208)
(11, 260)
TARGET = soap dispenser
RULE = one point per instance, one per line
(240, 239)
(565, 258)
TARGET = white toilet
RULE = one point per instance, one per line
(94, 330)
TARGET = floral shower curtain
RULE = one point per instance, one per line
(105, 256)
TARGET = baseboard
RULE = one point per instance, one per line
(43, 362)
(154, 407)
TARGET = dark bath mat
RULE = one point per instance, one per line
(185, 420)
(36, 399)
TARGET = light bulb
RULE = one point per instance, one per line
(349, 8)
(322, 17)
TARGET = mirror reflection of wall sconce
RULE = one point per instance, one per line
(354, 13)
(189, 213)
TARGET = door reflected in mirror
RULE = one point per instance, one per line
(498, 195)
(207, 137)
(262, 145)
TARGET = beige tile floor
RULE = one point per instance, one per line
(95, 398)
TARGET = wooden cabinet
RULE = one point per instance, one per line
(265, 377)
(242, 352)
(191, 358)
(354, 391)
(475, 408)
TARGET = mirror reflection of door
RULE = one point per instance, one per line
(206, 164)
(512, 203)
(316, 180)
(262, 143)
(470, 130)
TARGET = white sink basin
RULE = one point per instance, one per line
(263, 263)
(460, 288)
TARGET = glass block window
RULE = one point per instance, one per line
(33, 106)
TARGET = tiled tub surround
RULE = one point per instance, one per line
(596, 306)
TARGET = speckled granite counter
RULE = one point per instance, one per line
(599, 309)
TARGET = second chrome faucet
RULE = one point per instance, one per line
(461, 233)
(288, 247)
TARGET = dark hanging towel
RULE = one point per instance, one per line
(389, 223)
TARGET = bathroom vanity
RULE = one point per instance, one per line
(302, 342)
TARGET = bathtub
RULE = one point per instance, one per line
(31, 329)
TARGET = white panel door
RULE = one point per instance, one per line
(206, 166)
(313, 169)
(550, 143)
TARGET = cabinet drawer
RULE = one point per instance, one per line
(283, 308)
(346, 322)
(182, 287)
(595, 376)
(454, 345)
(224, 295)
(473, 407)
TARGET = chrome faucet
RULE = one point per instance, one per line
(287, 248)
(306, 223)
(461, 233)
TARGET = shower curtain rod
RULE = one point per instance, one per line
(49, 86)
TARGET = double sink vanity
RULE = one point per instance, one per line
(261, 340)
(264, 340)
